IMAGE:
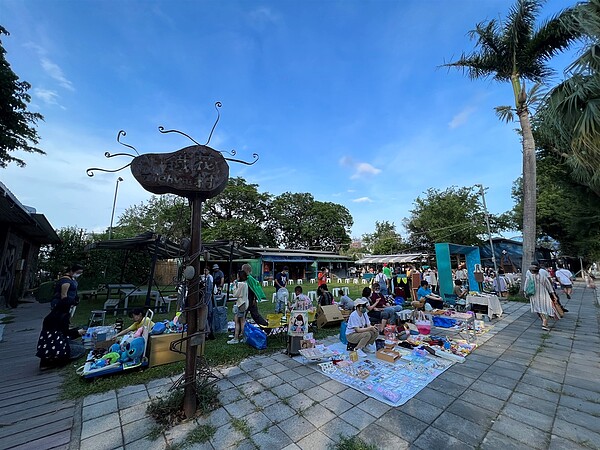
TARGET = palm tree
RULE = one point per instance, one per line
(516, 51)
(569, 120)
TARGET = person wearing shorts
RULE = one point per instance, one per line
(564, 277)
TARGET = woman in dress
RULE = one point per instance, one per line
(541, 300)
(56, 345)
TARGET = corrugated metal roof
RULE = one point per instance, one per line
(381, 259)
(34, 227)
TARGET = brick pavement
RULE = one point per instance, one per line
(522, 388)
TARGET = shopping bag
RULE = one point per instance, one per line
(423, 324)
(343, 327)
(219, 319)
(255, 337)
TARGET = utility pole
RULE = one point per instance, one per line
(487, 222)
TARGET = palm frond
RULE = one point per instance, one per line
(505, 113)
(520, 24)
(553, 36)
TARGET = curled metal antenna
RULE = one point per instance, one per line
(232, 152)
(90, 171)
(254, 155)
(217, 106)
(163, 131)
(112, 155)
(119, 135)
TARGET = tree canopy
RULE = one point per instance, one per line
(385, 240)
(17, 124)
(568, 122)
(514, 51)
(454, 215)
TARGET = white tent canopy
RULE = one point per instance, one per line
(391, 259)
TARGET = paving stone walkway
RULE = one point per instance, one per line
(522, 388)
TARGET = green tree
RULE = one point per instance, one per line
(568, 122)
(168, 215)
(299, 221)
(454, 215)
(17, 131)
(516, 51)
(568, 212)
(385, 240)
(100, 266)
(240, 214)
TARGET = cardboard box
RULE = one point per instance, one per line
(387, 355)
(328, 315)
(159, 351)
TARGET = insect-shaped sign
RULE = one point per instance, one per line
(197, 171)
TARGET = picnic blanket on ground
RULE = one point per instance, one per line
(391, 383)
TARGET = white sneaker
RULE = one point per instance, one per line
(233, 341)
(361, 354)
(369, 348)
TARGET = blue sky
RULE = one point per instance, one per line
(341, 99)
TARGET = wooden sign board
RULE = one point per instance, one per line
(196, 171)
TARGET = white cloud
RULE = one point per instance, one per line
(461, 118)
(47, 96)
(362, 200)
(361, 168)
(365, 169)
(54, 71)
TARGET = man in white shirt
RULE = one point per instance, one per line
(564, 277)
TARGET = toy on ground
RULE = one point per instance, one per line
(128, 354)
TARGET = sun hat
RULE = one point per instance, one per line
(361, 301)
(215, 266)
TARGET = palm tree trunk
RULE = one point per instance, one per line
(529, 194)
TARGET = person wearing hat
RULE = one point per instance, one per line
(540, 300)
(359, 330)
(218, 279)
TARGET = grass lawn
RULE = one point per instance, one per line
(217, 352)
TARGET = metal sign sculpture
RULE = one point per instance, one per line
(198, 173)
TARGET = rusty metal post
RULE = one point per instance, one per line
(189, 399)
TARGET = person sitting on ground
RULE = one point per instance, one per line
(301, 301)
(359, 330)
(459, 291)
(379, 309)
(346, 303)
(424, 294)
(139, 320)
(324, 296)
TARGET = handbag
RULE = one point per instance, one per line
(529, 287)
(558, 311)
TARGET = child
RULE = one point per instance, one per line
(240, 307)
(301, 301)
(138, 317)
(281, 300)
